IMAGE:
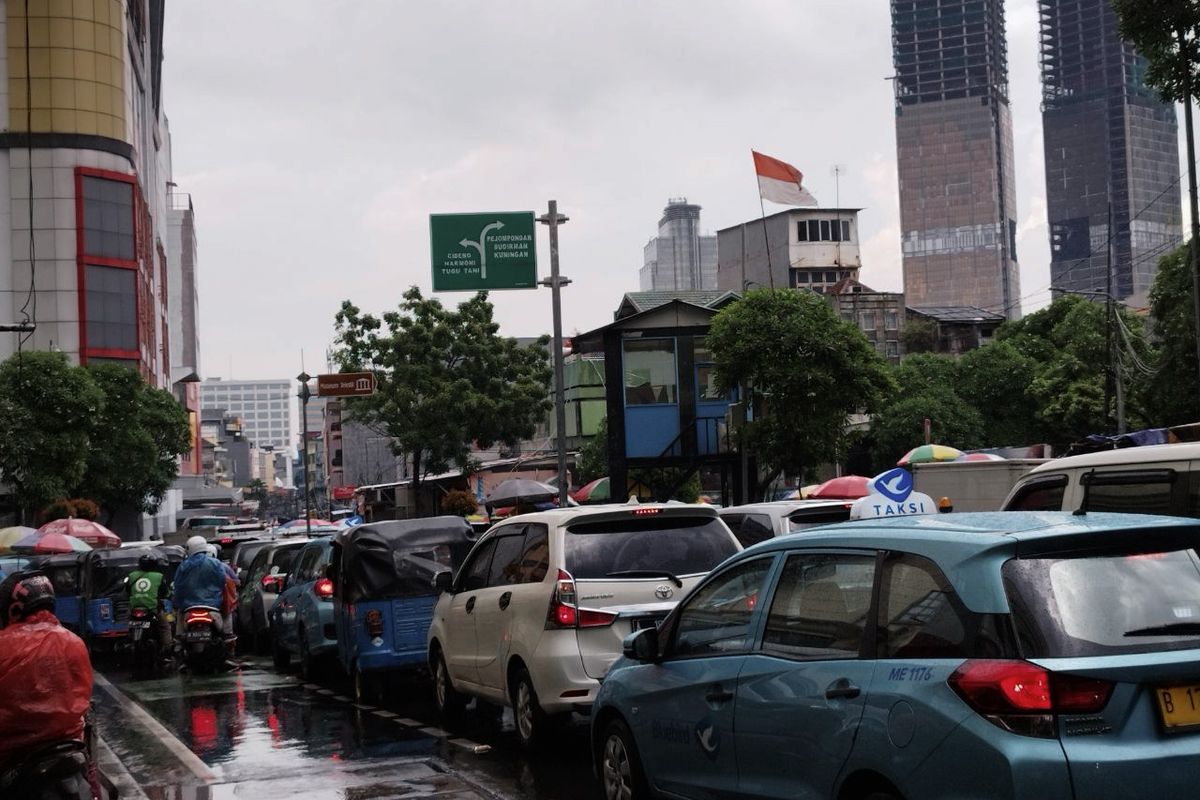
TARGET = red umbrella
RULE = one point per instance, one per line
(847, 487)
(91, 532)
(44, 543)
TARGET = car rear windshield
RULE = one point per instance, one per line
(1105, 604)
(798, 520)
(283, 558)
(678, 545)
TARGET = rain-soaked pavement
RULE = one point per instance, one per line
(255, 733)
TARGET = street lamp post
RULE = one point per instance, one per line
(305, 393)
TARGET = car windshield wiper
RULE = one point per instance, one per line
(646, 573)
(1170, 629)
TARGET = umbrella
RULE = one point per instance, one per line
(14, 534)
(929, 452)
(597, 491)
(44, 543)
(516, 490)
(847, 487)
(91, 532)
(806, 491)
(981, 457)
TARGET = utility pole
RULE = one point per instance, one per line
(553, 219)
(305, 393)
(1194, 249)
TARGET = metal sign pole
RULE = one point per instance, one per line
(556, 282)
(305, 393)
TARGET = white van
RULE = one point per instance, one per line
(1156, 479)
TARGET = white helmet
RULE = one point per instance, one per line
(196, 544)
(214, 551)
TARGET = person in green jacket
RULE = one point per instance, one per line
(147, 589)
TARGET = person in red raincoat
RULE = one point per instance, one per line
(45, 672)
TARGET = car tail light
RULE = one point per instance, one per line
(374, 622)
(565, 611)
(138, 613)
(1024, 698)
(645, 512)
(323, 588)
(227, 540)
(197, 616)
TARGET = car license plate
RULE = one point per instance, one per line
(139, 624)
(1179, 706)
(197, 636)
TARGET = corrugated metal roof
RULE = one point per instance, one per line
(644, 301)
(958, 313)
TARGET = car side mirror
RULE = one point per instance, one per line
(443, 581)
(642, 645)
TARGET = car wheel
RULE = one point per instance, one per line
(449, 702)
(531, 721)
(366, 687)
(620, 768)
(281, 657)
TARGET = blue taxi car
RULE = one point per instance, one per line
(998, 655)
(301, 618)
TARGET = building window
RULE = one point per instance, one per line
(831, 277)
(893, 348)
(649, 371)
(825, 230)
(845, 230)
(802, 231)
(866, 320)
(108, 218)
(814, 230)
(112, 308)
(802, 277)
(891, 320)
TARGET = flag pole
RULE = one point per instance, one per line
(766, 241)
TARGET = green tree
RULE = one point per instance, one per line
(256, 489)
(1174, 392)
(900, 426)
(459, 503)
(592, 461)
(140, 433)
(805, 371)
(1167, 34)
(919, 335)
(995, 379)
(446, 379)
(48, 412)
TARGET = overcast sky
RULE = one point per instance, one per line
(316, 137)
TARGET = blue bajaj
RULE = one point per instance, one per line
(104, 599)
(383, 592)
(64, 571)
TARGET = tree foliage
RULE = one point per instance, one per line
(140, 432)
(900, 426)
(445, 378)
(919, 335)
(592, 461)
(805, 371)
(48, 412)
(459, 503)
(1167, 34)
(1174, 391)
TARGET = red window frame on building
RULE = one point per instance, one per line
(84, 260)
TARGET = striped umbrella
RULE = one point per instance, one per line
(929, 452)
(981, 457)
(14, 534)
(45, 543)
(597, 491)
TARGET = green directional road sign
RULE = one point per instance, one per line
(476, 252)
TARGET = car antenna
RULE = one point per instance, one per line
(1087, 490)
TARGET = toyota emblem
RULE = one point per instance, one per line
(663, 592)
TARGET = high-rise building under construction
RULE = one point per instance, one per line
(955, 154)
(1111, 154)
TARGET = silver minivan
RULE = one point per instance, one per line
(538, 612)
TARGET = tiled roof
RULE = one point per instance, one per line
(644, 301)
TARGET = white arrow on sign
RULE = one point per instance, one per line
(497, 225)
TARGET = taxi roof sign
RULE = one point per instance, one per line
(892, 495)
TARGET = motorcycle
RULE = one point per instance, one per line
(143, 639)
(204, 645)
(56, 771)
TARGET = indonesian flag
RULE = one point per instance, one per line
(780, 182)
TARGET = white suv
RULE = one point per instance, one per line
(539, 610)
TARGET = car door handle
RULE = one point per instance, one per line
(505, 599)
(716, 694)
(842, 689)
(470, 604)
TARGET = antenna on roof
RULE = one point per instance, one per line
(1087, 490)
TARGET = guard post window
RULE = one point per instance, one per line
(108, 266)
(650, 376)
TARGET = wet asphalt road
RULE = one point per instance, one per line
(255, 733)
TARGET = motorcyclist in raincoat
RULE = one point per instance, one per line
(200, 581)
(45, 678)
